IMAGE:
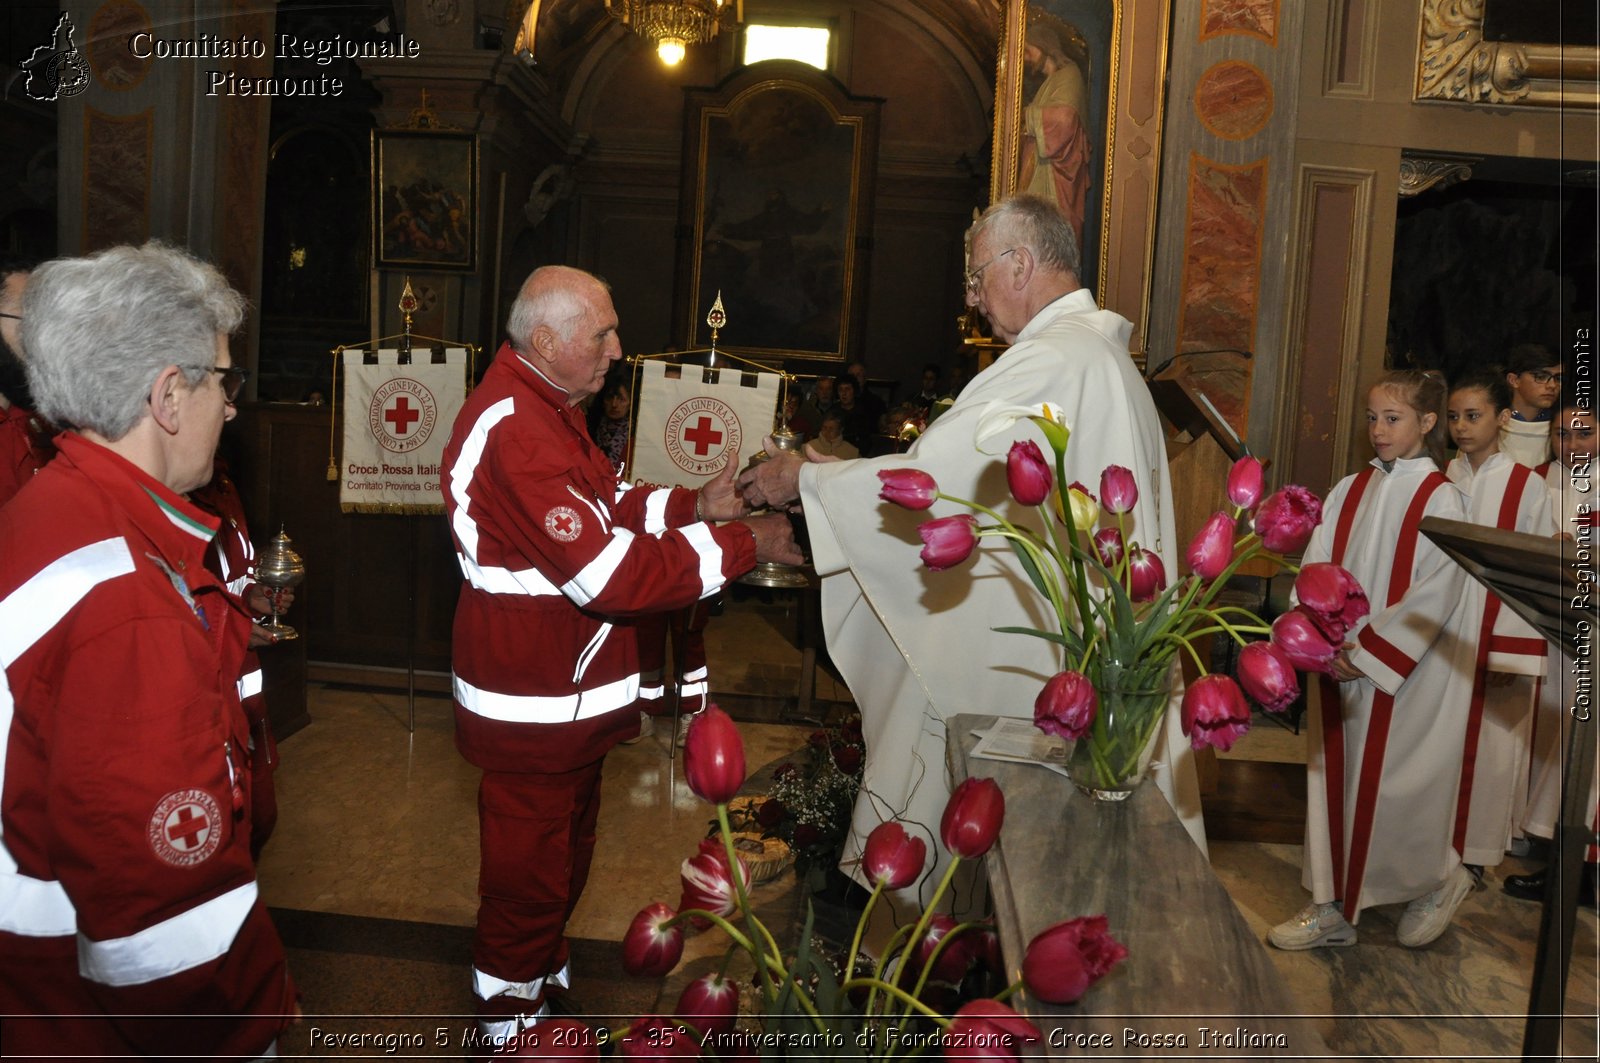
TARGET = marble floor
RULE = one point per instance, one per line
(377, 846)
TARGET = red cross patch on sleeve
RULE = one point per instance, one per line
(563, 524)
(185, 828)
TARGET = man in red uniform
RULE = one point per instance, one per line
(129, 918)
(557, 556)
(24, 437)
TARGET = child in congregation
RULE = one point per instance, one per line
(1575, 504)
(1498, 686)
(1535, 378)
(1383, 751)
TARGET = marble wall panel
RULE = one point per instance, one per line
(1221, 272)
(116, 177)
(1252, 18)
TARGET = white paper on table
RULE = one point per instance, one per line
(1017, 739)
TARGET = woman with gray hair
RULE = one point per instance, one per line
(125, 862)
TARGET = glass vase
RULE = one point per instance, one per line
(1111, 760)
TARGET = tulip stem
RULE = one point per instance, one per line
(861, 927)
(927, 914)
(735, 872)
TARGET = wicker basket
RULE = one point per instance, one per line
(764, 858)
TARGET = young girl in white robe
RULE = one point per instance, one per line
(1383, 750)
(1498, 688)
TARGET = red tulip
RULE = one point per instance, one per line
(707, 882)
(1286, 519)
(1214, 712)
(656, 1037)
(1147, 576)
(987, 1029)
(711, 1003)
(1064, 961)
(989, 951)
(713, 756)
(1119, 493)
(650, 947)
(1245, 481)
(1332, 597)
(1302, 641)
(957, 956)
(911, 488)
(1027, 474)
(1066, 706)
(1267, 676)
(948, 541)
(1212, 550)
(972, 818)
(1108, 544)
(553, 1038)
(892, 857)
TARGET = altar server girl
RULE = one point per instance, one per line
(1508, 653)
(1383, 750)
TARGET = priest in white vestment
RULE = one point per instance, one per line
(917, 647)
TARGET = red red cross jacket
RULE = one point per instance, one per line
(557, 555)
(126, 884)
(24, 449)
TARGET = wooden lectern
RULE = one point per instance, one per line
(1551, 584)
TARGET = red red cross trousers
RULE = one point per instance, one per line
(703, 436)
(190, 824)
(401, 415)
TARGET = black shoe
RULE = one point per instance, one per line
(1529, 887)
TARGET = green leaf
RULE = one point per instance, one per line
(1026, 560)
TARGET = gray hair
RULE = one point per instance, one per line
(551, 297)
(99, 330)
(1033, 222)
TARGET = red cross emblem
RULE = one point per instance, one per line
(563, 524)
(185, 827)
(702, 436)
(401, 416)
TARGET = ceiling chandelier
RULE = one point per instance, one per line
(673, 25)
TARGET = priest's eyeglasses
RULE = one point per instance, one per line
(233, 378)
(975, 276)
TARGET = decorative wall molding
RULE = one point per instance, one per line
(1419, 173)
(1456, 64)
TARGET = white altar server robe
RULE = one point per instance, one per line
(1383, 753)
(1494, 767)
(916, 647)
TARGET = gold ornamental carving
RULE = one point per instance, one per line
(1419, 173)
(1455, 63)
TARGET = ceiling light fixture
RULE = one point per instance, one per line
(673, 25)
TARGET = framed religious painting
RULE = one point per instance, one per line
(1519, 53)
(1078, 110)
(424, 189)
(776, 202)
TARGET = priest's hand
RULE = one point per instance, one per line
(774, 539)
(719, 499)
(774, 482)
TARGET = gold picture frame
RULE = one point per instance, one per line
(1457, 64)
(1126, 46)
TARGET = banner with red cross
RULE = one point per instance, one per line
(396, 420)
(692, 420)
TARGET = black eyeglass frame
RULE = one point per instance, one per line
(233, 379)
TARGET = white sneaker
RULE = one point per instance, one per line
(647, 727)
(683, 729)
(1316, 926)
(1429, 915)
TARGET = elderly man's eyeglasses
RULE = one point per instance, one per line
(233, 378)
(974, 276)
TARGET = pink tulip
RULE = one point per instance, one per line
(656, 1037)
(988, 950)
(1066, 706)
(911, 488)
(1286, 519)
(1027, 474)
(711, 1003)
(707, 882)
(1267, 676)
(650, 947)
(1302, 641)
(1332, 597)
(948, 541)
(1118, 491)
(987, 1029)
(1245, 481)
(1214, 712)
(1212, 550)
(1108, 545)
(957, 956)
(1062, 962)
(713, 756)
(892, 858)
(972, 818)
(553, 1038)
(1147, 576)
